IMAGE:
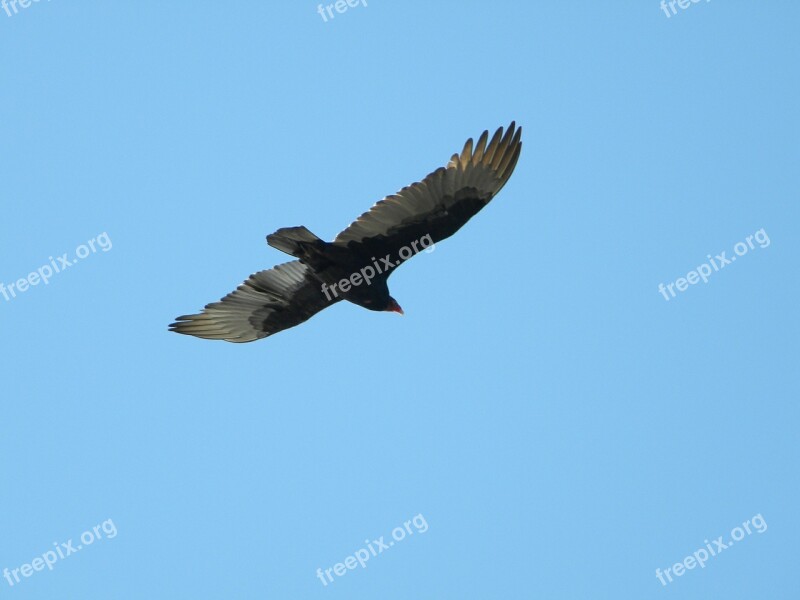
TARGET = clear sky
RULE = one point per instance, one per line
(547, 422)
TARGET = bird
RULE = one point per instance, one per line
(357, 264)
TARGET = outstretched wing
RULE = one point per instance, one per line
(268, 302)
(442, 202)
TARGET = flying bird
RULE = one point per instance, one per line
(356, 265)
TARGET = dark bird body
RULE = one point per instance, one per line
(432, 209)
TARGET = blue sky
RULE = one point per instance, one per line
(560, 427)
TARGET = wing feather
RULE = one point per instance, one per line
(444, 200)
(268, 302)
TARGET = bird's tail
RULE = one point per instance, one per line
(297, 241)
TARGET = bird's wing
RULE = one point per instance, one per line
(442, 202)
(268, 302)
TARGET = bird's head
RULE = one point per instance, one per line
(387, 304)
(393, 306)
(374, 297)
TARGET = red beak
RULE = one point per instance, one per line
(395, 307)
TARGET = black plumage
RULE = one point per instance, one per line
(429, 211)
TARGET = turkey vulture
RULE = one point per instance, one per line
(417, 216)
